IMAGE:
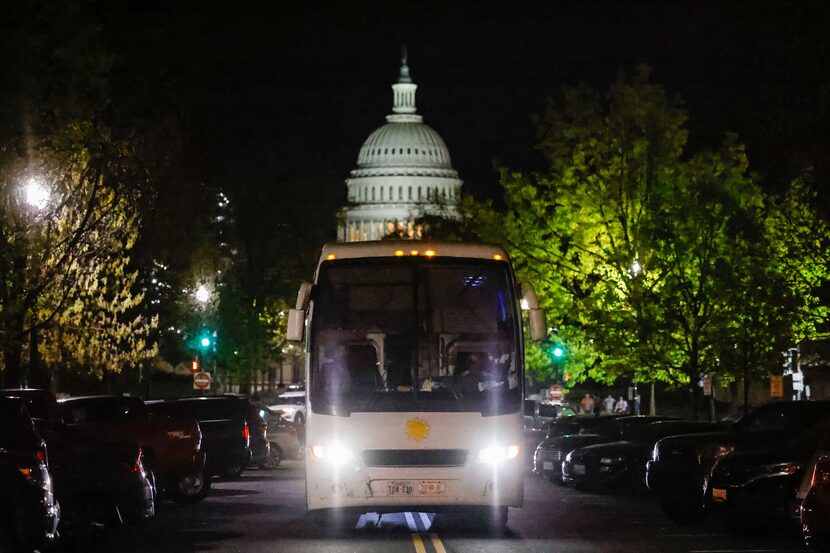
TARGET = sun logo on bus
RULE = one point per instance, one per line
(417, 429)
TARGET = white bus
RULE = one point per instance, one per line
(415, 378)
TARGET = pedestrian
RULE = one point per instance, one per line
(621, 406)
(608, 404)
(586, 406)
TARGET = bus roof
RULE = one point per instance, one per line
(392, 248)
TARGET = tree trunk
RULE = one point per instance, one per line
(12, 376)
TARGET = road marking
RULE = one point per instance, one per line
(419, 543)
(410, 522)
(436, 542)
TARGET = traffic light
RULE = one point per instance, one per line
(558, 352)
(206, 340)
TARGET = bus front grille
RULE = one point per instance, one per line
(414, 457)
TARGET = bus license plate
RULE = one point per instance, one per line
(719, 494)
(432, 487)
(547, 465)
(579, 469)
(400, 487)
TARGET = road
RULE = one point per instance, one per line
(265, 512)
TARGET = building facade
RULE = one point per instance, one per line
(403, 173)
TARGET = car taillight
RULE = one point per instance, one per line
(41, 455)
(134, 467)
(821, 473)
(246, 433)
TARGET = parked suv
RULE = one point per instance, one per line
(29, 514)
(171, 446)
(291, 406)
(227, 424)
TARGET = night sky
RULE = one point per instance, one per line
(289, 90)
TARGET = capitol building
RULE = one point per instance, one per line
(403, 173)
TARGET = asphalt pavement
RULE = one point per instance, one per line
(264, 511)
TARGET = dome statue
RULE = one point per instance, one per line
(403, 172)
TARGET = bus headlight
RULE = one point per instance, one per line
(334, 454)
(498, 453)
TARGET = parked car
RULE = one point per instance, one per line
(814, 494)
(171, 446)
(594, 430)
(539, 414)
(98, 485)
(623, 463)
(291, 406)
(226, 429)
(760, 486)
(29, 513)
(282, 437)
(680, 464)
(581, 424)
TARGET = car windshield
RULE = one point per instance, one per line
(101, 409)
(200, 409)
(291, 400)
(786, 418)
(414, 334)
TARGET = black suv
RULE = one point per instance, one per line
(231, 430)
(29, 514)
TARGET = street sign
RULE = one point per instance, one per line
(555, 393)
(776, 386)
(202, 381)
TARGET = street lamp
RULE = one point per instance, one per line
(36, 194)
(202, 294)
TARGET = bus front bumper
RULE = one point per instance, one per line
(381, 489)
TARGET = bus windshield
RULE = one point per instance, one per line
(414, 334)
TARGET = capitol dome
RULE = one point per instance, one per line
(403, 173)
(404, 145)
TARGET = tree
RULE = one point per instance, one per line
(645, 255)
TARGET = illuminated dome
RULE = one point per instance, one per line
(403, 172)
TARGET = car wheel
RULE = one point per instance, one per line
(191, 488)
(233, 470)
(274, 458)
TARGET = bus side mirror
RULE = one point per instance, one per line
(538, 325)
(304, 295)
(296, 325)
(295, 328)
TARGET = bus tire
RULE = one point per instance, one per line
(495, 518)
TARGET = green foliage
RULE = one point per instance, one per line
(653, 263)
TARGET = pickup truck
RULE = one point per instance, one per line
(171, 446)
(231, 428)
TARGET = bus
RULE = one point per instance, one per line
(414, 378)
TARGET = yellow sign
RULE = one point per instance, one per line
(417, 429)
(776, 386)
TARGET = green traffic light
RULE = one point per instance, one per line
(558, 352)
(205, 342)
